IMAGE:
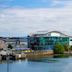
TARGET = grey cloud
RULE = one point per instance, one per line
(19, 22)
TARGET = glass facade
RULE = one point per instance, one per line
(46, 43)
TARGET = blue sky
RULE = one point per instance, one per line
(31, 3)
(21, 17)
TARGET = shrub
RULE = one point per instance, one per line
(10, 46)
(59, 48)
(66, 47)
(70, 48)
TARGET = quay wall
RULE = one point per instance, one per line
(39, 53)
(34, 54)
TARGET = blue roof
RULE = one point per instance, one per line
(22, 48)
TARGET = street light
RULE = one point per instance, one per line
(7, 58)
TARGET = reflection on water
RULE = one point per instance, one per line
(61, 56)
(45, 60)
(52, 59)
(38, 65)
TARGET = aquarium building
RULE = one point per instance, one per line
(44, 40)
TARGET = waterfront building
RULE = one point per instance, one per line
(2, 44)
(47, 40)
(15, 42)
(70, 39)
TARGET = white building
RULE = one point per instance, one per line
(70, 41)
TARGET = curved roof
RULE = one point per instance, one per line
(46, 33)
(58, 32)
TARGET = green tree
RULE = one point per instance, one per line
(10, 46)
(66, 47)
(70, 48)
(59, 48)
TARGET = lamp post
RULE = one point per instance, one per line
(7, 58)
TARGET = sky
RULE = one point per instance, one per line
(22, 17)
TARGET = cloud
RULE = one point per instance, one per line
(20, 21)
(26, 21)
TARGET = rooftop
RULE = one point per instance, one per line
(51, 33)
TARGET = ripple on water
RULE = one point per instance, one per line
(39, 65)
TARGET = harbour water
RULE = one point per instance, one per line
(38, 65)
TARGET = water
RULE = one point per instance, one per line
(39, 65)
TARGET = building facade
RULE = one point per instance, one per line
(70, 39)
(2, 44)
(15, 42)
(47, 40)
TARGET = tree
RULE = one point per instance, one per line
(70, 48)
(59, 48)
(66, 47)
(10, 46)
